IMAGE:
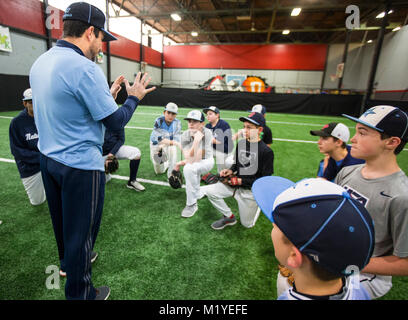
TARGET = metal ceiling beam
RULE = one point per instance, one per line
(268, 37)
(271, 31)
(240, 11)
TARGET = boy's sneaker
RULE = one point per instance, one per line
(135, 186)
(223, 222)
(102, 293)
(94, 255)
(189, 211)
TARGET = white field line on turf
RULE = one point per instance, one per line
(114, 176)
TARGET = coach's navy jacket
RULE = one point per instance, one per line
(23, 144)
(113, 141)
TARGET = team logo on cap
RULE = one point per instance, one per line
(368, 112)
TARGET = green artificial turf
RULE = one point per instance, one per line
(146, 250)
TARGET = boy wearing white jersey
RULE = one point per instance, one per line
(320, 233)
(196, 144)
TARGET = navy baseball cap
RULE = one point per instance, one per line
(255, 118)
(388, 119)
(85, 12)
(212, 108)
(321, 219)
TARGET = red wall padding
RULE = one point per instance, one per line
(125, 48)
(28, 15)
(152, 57)
(274, 56)
(23, 14)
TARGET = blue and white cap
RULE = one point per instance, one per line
(212, 108)
(388, 119)
(259, 108)
(320, 219)
(195, 115)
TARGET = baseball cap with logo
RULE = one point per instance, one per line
(27, 94)
(90, 14)
(259, 108)
(333, 129)
(255, 118)
(212, 108)
(171, 107)
(195, 115)
(320, 219)
(388, 119)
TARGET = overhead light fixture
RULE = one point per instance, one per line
(369, 41)
(175, 17)
(396, 29)
(295, 12)
(382, 14)
(285, 31)
(194, 33)
(243, 17)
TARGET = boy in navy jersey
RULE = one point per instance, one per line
(23, 145)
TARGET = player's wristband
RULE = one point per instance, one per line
(234, 181)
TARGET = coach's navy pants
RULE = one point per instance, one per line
(75, 200)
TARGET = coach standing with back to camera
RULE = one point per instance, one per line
(72, 106)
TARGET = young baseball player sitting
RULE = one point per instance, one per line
(196, 144)
(382, 187)
(222, 141)
(320, 233)
(114, 145)
(166, 130)
(332, 141)
(23, 145)
(253, 159)
(266, 135)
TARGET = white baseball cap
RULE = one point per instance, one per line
(27, 95)
(259, 108)
(333, 129)
(171, 107)
(195, 115)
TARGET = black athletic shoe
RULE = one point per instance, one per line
(102, 293)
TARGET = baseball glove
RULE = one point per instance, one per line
(285, 272)
(176, 179)
(210, 178)
(111, 164)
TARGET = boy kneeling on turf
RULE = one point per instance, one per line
(253, 159)
(196, 145)
(320, 234)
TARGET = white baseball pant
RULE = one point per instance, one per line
(172, 158)
(124, 152)
(247, 206)
(34, 187)
(192, 176)
(223, 160)
(128, 152)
